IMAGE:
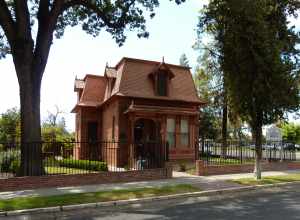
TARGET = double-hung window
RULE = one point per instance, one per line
(184, 132)
(171, 131)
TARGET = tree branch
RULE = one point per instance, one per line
(93, 7)
(6, 22)
(43, 9)
(47, 22)
(23, 20)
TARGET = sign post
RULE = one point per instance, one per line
(274, 135)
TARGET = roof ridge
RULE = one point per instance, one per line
(92, 75)
(148, 61)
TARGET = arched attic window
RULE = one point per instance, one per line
(161, 77)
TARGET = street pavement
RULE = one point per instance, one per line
(280, 203)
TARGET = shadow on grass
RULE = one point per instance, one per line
(268, 180)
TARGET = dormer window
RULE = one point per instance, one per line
(162, 85)
(161, 77)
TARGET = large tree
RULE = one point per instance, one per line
(27, 28)
(260, 59)
(217, 99)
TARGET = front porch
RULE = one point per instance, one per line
(177, 127)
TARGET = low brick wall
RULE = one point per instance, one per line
(33, 182)
(202, 170)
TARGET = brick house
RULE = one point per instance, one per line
(136, 101)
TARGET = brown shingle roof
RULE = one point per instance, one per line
(135, 81)
(93, 92)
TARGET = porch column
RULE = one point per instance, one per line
(131, 119)
(177, 132)
(196, 139)
(163, 128)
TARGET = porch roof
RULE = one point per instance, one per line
(161, 110)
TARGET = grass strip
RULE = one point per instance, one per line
(268, 180)
(64, 170)
(102, 196)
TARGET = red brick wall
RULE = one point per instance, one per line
(22, 183)
(202, 170)
(83, 117)
(109, 111)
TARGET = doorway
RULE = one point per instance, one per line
(93, 148)
(147, 143)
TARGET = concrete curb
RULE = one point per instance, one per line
(145, 200)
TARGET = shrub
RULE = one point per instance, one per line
(182, 167)
(7, 158)
(15, 166)
(84, 164)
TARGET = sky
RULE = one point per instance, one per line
(172, 33)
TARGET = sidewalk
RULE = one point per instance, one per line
(204, 183)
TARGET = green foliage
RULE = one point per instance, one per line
(182, 167)
(10, 126)
(208, 126)
(290, 132)
(84, 164)
(15, 166)
(258, 56)
(9, 160)
(55, 134)
(210, 120)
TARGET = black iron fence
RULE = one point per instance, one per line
(243, 152)
(52, 158)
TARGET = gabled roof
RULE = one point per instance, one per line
(130, 78)
(164, 67)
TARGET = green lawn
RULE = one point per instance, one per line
(228, 161)
(70, 199)
(220, 161)
(64, 170)
(268, 180)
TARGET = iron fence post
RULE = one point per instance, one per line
(241, 152)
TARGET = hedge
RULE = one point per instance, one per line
(8, 159)
(84, 164)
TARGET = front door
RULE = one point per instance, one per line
(93, 146)
(147, 146)
(146, 130)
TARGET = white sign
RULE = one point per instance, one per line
(274, 134)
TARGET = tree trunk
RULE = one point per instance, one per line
(258, 150)
(224, 128)
(31, 147)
